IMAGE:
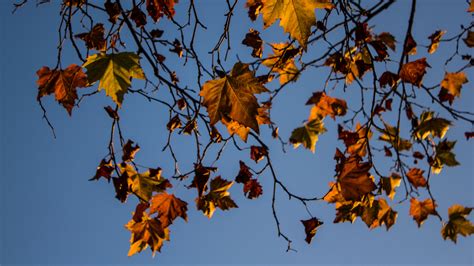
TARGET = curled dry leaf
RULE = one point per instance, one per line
(310, 228)
(413, 72)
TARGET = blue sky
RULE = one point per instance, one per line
(51, 214)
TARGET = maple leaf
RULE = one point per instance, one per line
(201, 176)
(168, 207)
(435, 38)
(415, 176)
(138, 16)
(254, 7)
(95, 38)
(113, 10)
(257, 153)
(146, 232)
(234, 127)
(324, 105)
(444, 156)
(392, 136)
(282, 62)
(356, 142)
(308, 134)
(114, 71)
(453, 82)
(218, 196)
(388, 184)
(354, 178)
(296, 17)
(334, 194)
(233, 96)
(471, 7)
(388, 78)
(244, 174)
(159, 8)
(253, 40)
(310, 228)
(413, 72)
(421, 209)
(377, 213)
(435, 126)
(105, 169)
(63, 83)
(458, 223)
(388, 39)
(129, 151)
(144, 184)
(252, 189)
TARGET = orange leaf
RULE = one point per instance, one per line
(325, 105)
(421, 209)
(168, 208)
(159, 8)
(354, 178)
(413, 72)
(63, 83)
(415, 176)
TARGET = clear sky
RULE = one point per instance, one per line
(51, 214)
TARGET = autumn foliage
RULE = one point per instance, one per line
(232, 105)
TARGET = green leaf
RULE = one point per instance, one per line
(444, 156)
(458, 223)
(392, 136)
(308, 134)
(144, 184)
(435, 126)
(114, 71)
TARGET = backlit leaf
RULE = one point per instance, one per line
(296, 17)
(95, 38)
(324, 105)
(416, 178)
(458, 223)
(147, 232)
(233, 96)
(413, 72)
(159, 8)
(354, 178)
(444, 156)
(453, 82)
(114, 71)
(429, 125)
(308, 134)
(389, 184)
(420, 210)
(63, 83)
(218, 196)
(168, 207)
(282, 62)
(253, 40)
(435, 38)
